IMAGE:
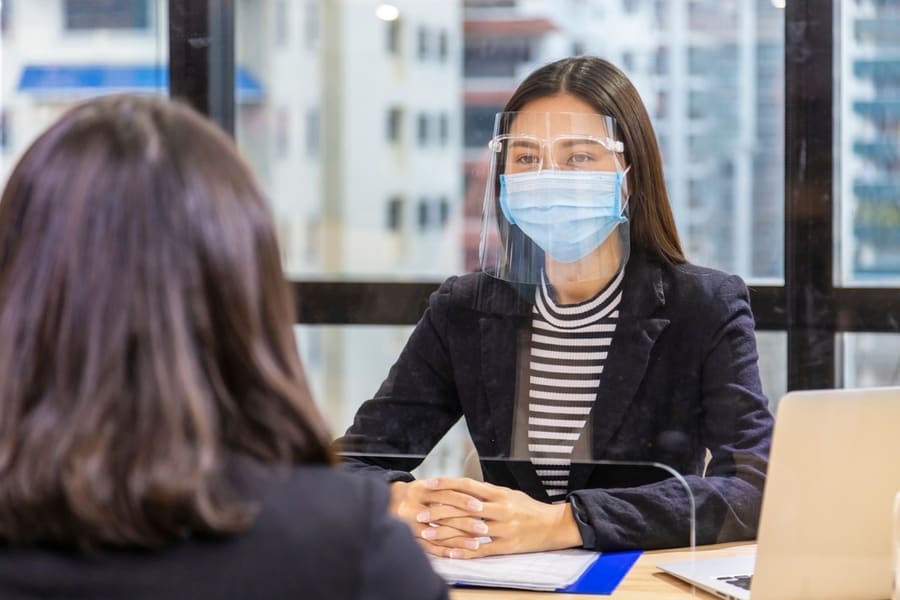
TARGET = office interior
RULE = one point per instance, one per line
(367, 124)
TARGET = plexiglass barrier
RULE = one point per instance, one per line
(620, 507)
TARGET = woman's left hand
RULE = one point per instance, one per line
(515, 522)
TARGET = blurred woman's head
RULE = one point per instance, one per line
(607, 91)
(146, 331)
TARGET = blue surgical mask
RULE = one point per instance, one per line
(567, 213)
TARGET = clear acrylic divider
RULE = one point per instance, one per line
(650, 507)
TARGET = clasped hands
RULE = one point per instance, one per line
(454, 517)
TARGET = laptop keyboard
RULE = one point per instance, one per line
(741, 581)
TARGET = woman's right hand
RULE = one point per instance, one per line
(419, 504)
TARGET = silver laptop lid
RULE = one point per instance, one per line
(834, 471)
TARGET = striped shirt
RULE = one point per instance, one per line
(569, 346)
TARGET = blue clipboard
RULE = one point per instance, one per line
(604, 574)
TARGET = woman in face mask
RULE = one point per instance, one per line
(585, 352)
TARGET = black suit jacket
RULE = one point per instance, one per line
(320, 535)
(681, 377)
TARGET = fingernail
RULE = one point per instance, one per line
(475, 505)
(480, 528)
(423, 517)
(432, 483)
(429, 534)
(455, 553)
(471, 544)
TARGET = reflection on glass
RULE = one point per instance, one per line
(869, 129)
(60, 52)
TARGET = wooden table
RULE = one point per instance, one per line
(643, 582)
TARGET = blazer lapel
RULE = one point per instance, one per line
(498, 371)
(501, 339)
(636, 333)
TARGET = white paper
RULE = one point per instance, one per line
(542, 571)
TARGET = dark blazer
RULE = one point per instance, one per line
(681, 377)
(321, 534)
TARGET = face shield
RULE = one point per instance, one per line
(556, 199)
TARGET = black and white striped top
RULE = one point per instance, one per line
(569, 346)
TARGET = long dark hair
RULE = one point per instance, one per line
(146, 332)
(608, 90)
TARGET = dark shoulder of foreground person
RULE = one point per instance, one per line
(319, 534)
(342, 524)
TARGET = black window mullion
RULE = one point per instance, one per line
(221, 68)
(871, 310)
(809, 214)
(361, 303)
(201, 57)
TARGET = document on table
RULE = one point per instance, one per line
(540, 571)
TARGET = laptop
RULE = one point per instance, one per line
(826, 524)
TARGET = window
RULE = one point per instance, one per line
(312, 132)
(281, 22)
(661, 61)
(496, 56)
(282, 132)
(395, 214)
(58, 52)
(869, 190)
(395, 125)
(313, 238)
(423, 43)
(872, 359)
(631, 6)
(443, 211)
(724, 151)
(444, 128)
(107, 14)
(311, 24)
(4, 131)
(423, 214)
(4, 15)
(660, 14)
(394, 34)
(662, 105)
(479, 125)
(422, 129)
(442, 46)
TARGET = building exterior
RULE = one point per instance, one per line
(869, 129)
(868, 185)
(47, 62)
